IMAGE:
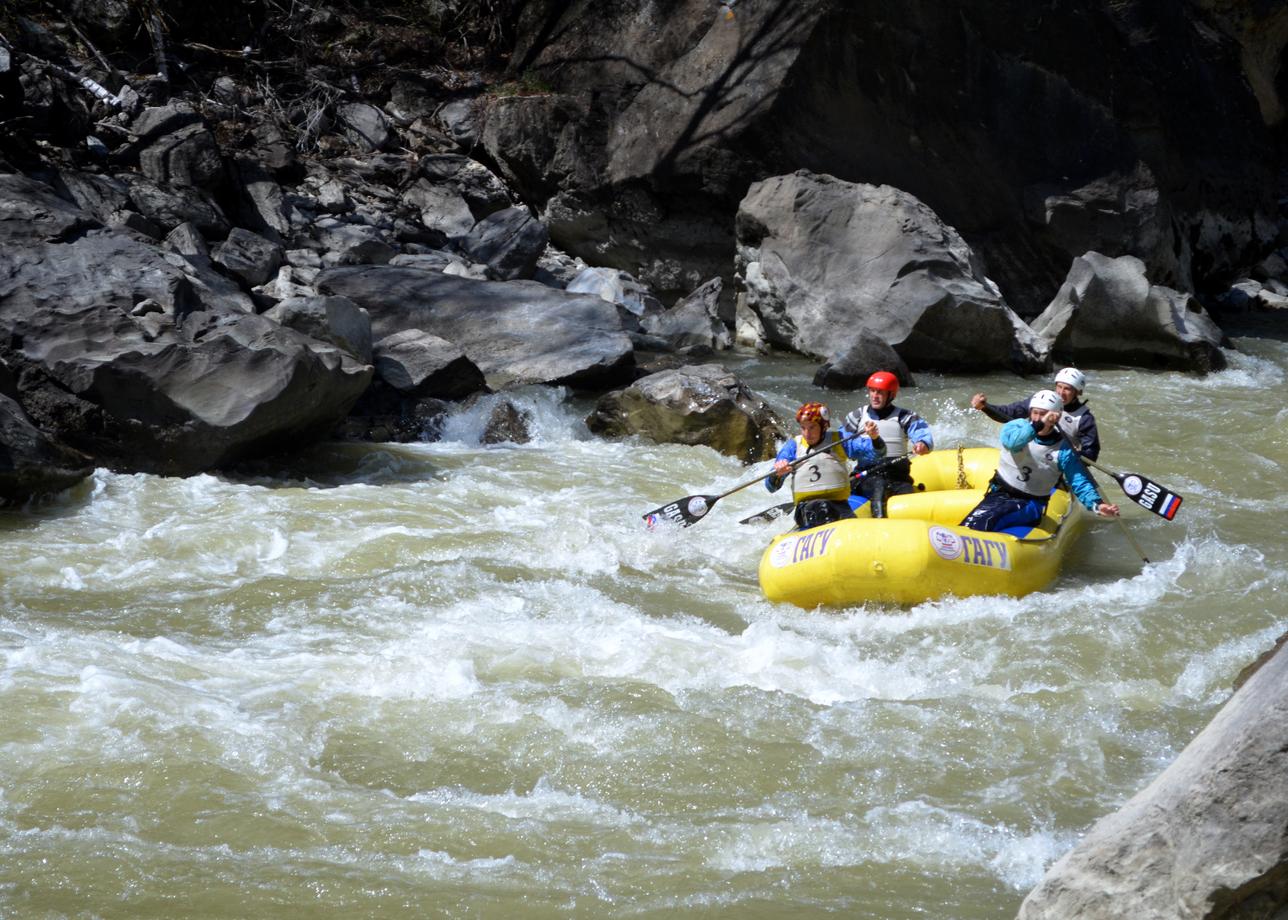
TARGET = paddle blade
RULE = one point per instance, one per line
(769, 514)
(686, 511)
(1149, 494)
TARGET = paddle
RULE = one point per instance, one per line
(1121, 523)
(689, 510)
(1143, 491)
(772, 513)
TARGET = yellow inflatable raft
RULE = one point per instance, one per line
(918, 553)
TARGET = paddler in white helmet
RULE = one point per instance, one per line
(1033, 458)
(821, 485)
(1076, 419)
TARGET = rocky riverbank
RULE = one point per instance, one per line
(223, 238)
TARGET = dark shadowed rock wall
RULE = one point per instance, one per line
(1039, 130)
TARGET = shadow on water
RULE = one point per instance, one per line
(1269, 325)
(30, 514)
(334, 464)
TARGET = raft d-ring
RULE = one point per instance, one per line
(878, 567)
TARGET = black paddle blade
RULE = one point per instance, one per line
(769, 514)
(1149, 494)
(686, 511)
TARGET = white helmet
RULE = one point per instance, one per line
(1047, 401)
(1072, 376)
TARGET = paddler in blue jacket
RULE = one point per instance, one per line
(1030, 464)
(904, 432)
(821, 485)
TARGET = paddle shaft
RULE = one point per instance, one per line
(776, 511)
(693, 508)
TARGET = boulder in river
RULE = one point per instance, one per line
(851, 369)
(693, 321)
(825, 261)
(516, 332)
(701, 404)
(1107, 311)
(418, 364)
(152, 394)
(32, 464)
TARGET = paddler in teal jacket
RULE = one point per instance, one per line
(1030, 464)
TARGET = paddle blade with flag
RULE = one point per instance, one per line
(1149, 494)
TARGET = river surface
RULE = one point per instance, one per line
(452, 680)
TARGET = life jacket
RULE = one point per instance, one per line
(823, 475)
(890, 428)
(1032, 471)
(893, 432)
(1071, 421)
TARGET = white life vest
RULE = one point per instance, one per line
(823, 475)
(1070, 422)
(896, 439)
(1034, 470)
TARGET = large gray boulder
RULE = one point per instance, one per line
(694, 321)
(418, 364)
(366, 127)
(701, 404)
(825, 261)
(850, 369)
(1207, 839)
(1107, 311)
(508, 241)
(169, 207)
(54, 258)
(337, 320)
(176, 147)
(146, 359)
(151, 394)
(516, 332)
(616, 286)
(249, 256)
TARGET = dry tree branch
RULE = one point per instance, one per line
(158, 46)
(102, 58)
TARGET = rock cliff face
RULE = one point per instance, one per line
(1039, 130)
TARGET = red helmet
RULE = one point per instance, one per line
(813, 412)
(884, 380)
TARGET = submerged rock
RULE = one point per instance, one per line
(701, 404)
